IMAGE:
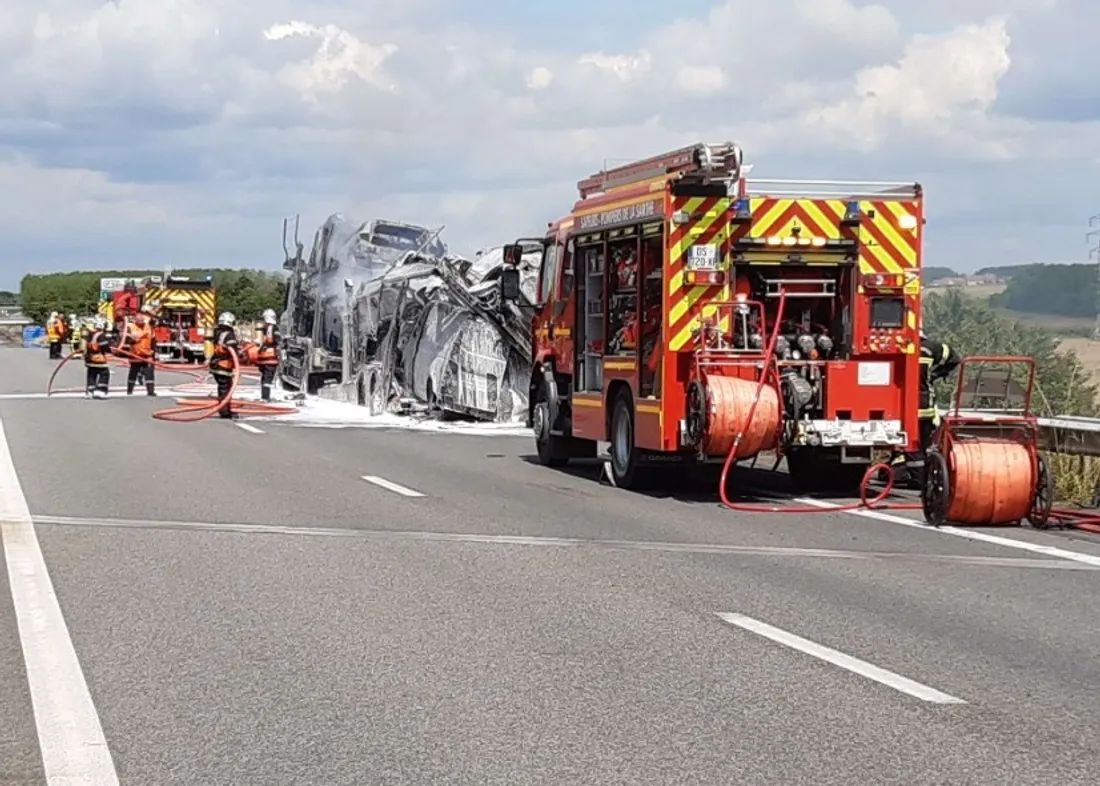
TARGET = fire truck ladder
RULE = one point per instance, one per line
(830, 189)
(700, 163)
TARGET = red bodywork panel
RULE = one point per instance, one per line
(853, 389)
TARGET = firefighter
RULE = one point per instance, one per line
(96, 359)
(267, 355)
(76, 331)
(55, 335)
(937, 361)
(141, 343)
(221, 361)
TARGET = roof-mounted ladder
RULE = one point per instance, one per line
(706, 162)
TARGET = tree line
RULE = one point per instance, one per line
(246, 293)
(1062, 290)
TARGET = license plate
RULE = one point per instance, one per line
(703, 257)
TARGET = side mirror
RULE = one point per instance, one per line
(513, 254)
(509, 284)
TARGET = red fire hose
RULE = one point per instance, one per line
(120, 357)
(192, 410)
(189, 410)
(1062, 517)
(865, 500)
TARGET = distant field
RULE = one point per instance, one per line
(981, 290)
(1080, 327)
(1087, 351)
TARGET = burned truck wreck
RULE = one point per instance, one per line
(381, 314)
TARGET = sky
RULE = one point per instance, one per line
(182, 132)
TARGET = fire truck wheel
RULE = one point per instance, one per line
(552, 448)
(935, 497)
(625, 455)
(1044, 498)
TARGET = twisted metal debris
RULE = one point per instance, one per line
(428, 331)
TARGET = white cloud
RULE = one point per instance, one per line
(540, 78)
(193, 126)
(340, 57)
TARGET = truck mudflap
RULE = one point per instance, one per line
(849, 433)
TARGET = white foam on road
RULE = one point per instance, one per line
(839, 659)
(70, 736)
(961, 532)
(325, 413)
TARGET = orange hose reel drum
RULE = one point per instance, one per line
(993, 482)
(729, 400)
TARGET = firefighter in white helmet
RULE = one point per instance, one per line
(75, 331)
(221, 361)
(267, 354)
(97, 354)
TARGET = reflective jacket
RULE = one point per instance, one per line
(98, 350)
(268, 351)
(221, 361)
(140, 340)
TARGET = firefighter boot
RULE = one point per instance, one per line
(150, 389)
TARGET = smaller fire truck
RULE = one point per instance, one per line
(676, 284)
(186, 310)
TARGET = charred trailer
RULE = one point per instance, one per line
(678, 291)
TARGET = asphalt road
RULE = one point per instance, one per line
(243, 607)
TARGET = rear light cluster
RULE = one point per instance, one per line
(884, 281)
(705, 278)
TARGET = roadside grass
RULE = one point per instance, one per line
(1075, 477)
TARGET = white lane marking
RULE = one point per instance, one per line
(389, 485)
(963, 532)
(847, 662)
(248, 427)
(74, 750)
(549, 542)
(73, 394)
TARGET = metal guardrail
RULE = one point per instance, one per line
(1066, 434)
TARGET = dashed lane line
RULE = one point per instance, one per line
(389, 485)
(839, 659)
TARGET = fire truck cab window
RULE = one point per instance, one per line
(887, 313)
(551, 263)
(622, 301)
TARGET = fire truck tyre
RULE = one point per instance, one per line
(552, 448)
(935, 497)
(1044, 498)
(624, 454)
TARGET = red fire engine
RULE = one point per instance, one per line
(679, 295)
